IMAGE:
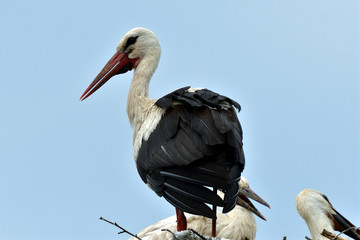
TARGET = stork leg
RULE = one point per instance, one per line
(181, 220)
(213, 227)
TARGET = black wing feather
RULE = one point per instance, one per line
(187, 204)
(196, 145)
(195, 192)
(187, 174)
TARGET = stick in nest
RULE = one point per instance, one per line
(123, 230)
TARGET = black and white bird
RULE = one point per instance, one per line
(184, 142)
(238, 224)
(319, 214)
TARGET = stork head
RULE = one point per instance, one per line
(139, 43)
(309, 201)
(317, 211)
(243, 198)
(138, 49)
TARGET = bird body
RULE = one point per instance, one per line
(319, 214)
(238, 224)
(189, 149)
(184, 142)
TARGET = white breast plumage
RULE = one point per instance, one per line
(143, 129)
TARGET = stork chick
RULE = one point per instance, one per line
(319, 214)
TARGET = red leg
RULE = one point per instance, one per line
(213, 227)
(181, 220)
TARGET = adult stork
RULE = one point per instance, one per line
(238, 224)
(319, 214)
(184, 142)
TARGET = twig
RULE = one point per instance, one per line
(174, 236)
(331, 235)
(123, 230)
(197, 234)
(348, 229)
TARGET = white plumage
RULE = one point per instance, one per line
(319, 214)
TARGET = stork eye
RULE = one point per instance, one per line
(130, 41)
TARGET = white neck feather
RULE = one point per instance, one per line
(139, 89)
(242, 223)
(143, 114)
(238, 222)
(314, 209)
(317, 224)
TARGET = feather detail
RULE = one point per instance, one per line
(197, 144)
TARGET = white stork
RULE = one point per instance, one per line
(239, 224)
(184, 142)
(318, 213)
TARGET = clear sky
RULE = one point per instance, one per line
(292, 65)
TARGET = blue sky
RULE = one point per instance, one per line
(292, 65)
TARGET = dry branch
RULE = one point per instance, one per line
(123, 230)
(332, 236)
(196, 233)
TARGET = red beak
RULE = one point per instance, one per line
(119, 63)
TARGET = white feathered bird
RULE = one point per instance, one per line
(185, 142)
(238, 224)
(319, 214)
